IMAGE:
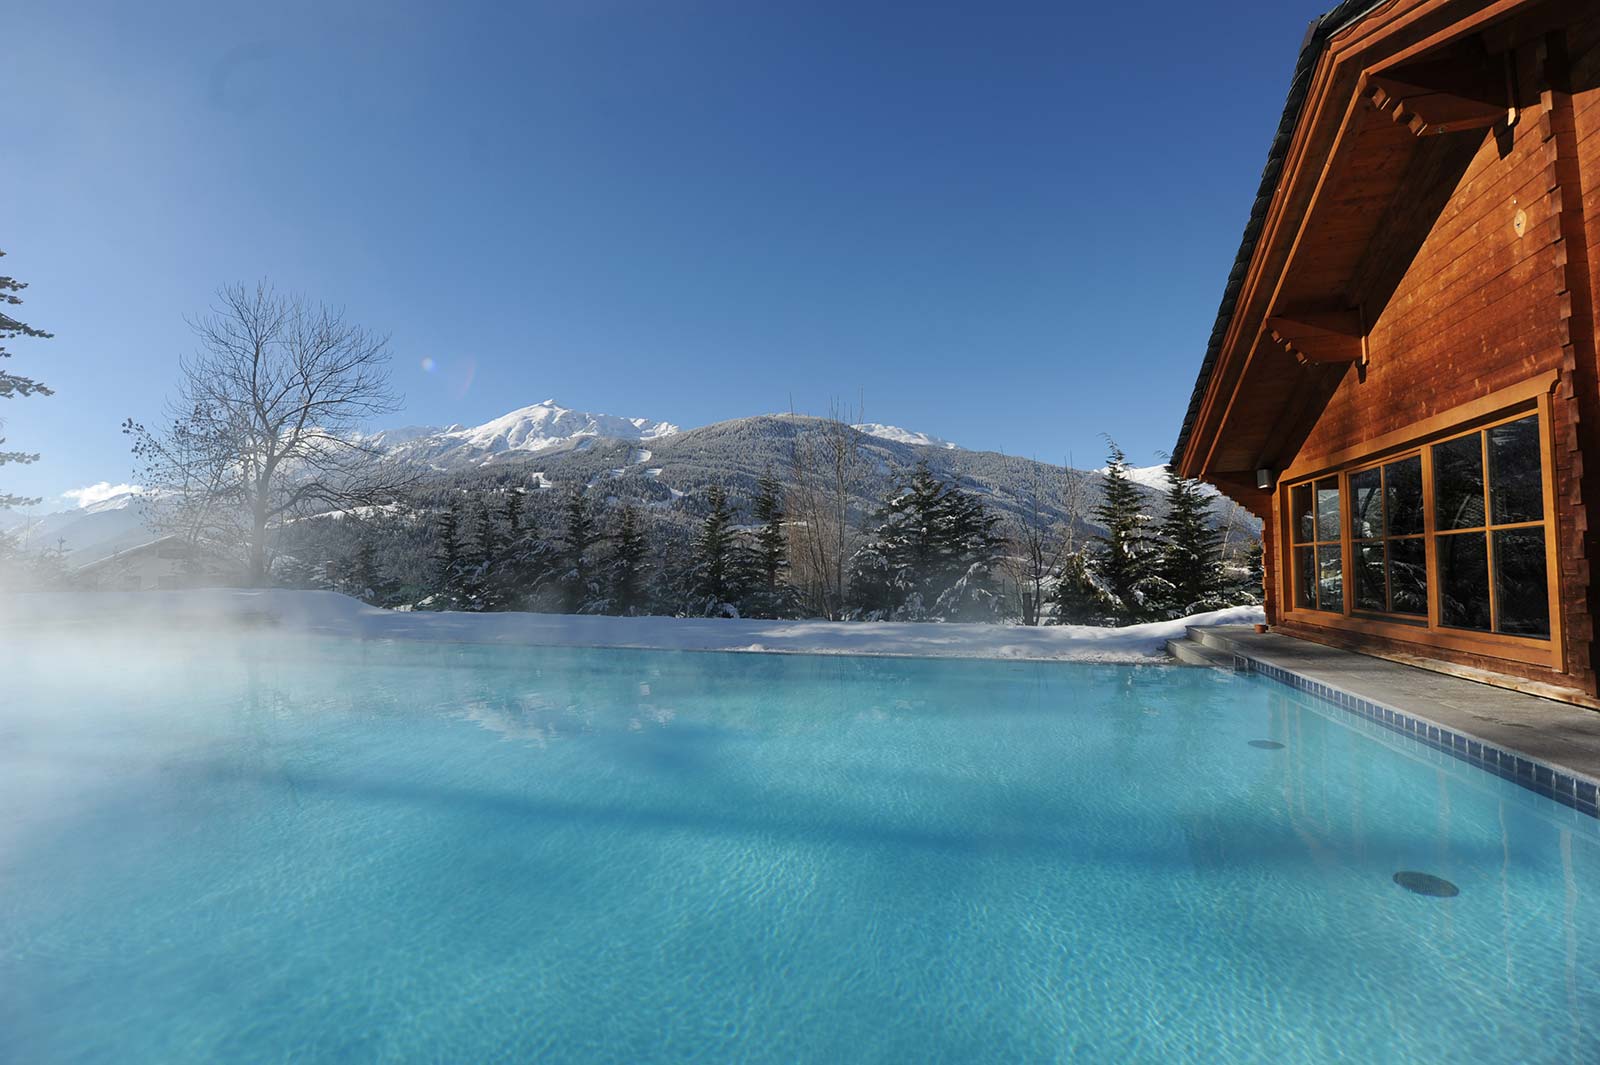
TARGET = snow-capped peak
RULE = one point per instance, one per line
(903, 436)
(527, 429)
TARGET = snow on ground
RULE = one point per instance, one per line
(334, 615)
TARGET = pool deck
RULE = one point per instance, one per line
(1548, 746)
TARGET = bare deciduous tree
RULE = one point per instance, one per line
(266, 424)
(826, 473)
(1040, 536)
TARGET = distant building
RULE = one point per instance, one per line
(1402, 379)
(167, 562)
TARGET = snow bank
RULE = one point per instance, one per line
(331, 614)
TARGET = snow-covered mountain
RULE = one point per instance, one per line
(547, 426)
(528, 429)
(85, 533)
(904, 436)
(1155, 478)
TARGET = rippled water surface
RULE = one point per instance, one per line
(267, 851)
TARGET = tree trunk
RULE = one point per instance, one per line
(258, 544)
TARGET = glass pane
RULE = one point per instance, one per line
(1368, 575)
(1463, 581)
(1522, 596)
(1408, 577)
(1516, 486)
(1402, 486)
(1328, 509)
(1458, 483)
(1305, 578)
(1366, 504)
(1330, 576)
(1300, 513)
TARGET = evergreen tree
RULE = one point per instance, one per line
(933, 549)
(1079, 600)
(363, 581)
(527, 559)
(1124, 567)
(513, 513)
(1246, 584)
(714, 581)
(14, 384)
(480, 553)
(578, 540)
(972, 548)
(446, 557)
(629, 561)
(1189, 563)
(771, 596)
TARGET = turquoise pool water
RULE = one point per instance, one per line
(271, 851)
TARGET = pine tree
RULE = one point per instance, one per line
(513, 513)
(527, 559)
(364, 582)
(446, 557)
(14, 384)
(975, 547)
(629, 561)
(933, 550)
(1189, 563)
(1125, 564)
(480, 554)
(772, 596)
(714, 581)
(578, 540)
(1079, 600)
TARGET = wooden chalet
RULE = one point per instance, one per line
(1402, 380)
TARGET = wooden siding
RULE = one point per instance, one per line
(1481, 308)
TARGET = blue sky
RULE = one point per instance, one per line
(1005, 225)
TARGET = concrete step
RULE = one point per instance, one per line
(1210, 638)
(1191, 653)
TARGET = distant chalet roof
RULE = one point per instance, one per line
(1316, 38)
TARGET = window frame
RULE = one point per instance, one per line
(1385, 537)
(1428, 630)
(1318, 543)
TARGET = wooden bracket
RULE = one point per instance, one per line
(1321, 336)
(1431, 101)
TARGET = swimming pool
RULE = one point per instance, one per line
(268, 850)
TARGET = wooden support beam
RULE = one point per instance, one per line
(1320, 336)
(1430, 110)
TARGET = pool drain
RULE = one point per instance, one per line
(1267, 745)
(1426, 884)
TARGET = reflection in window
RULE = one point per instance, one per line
(1522, 598)
(1516, 489)
(1463, 580)
(1402, 490)
(1506, 547)
(1328, 509)
(1318, 552)
(1387, 550)
(1481, 539)
(1458, 483)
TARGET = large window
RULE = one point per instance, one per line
(1319, 550)
(1388, 550)
(1488, 497)
(1449, 536)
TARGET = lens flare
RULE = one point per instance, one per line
(428, 364)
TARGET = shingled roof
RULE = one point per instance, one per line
(1317, 34)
